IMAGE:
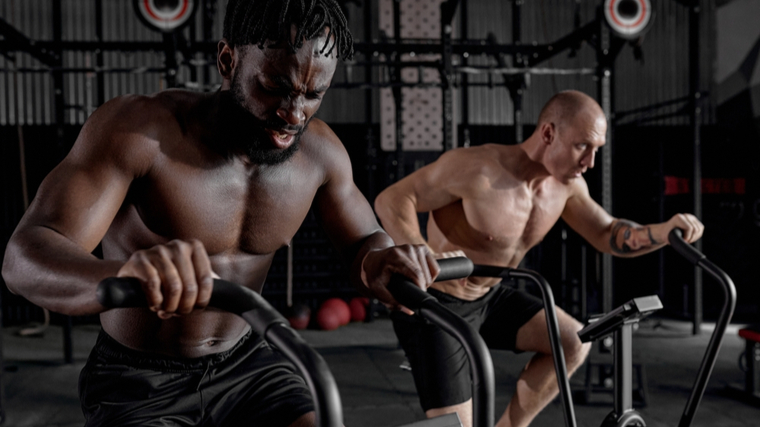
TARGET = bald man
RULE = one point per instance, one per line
(494, 203)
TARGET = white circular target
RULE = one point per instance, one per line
(165, 15)
(628, 18)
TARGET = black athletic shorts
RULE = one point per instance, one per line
(439, 364)
(248, 385)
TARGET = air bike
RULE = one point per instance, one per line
(620, 322)
(274, 328)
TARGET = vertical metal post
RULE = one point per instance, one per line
(464, 88)
(189, 55)
(209, 10)
(99, 77)
(661, 215)
(519, 61)
(605, 59)
(696, 124)
(68, 345)
(170, 58)
(623, 354)
(398, 97)
(369, 104)
(59, 119)
(57, 73)
(447, 72)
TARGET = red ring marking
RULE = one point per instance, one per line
(146, 3)
(643, 5)
(185, 4)
(157, 18)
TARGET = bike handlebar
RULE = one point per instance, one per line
(675, 237)
(481, 365)
(558, 355)
(123, 292)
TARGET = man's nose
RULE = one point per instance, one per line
(588, 161)
(292, 112)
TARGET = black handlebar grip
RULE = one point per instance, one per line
(454, 268)
(675, 237)
(406, 292)
(121, 292)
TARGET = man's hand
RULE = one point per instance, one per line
(691, 226)
(176, 277)
(415, 262)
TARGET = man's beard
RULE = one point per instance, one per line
(247, 132)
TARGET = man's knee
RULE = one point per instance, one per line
(575, 350)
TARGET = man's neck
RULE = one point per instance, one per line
(532, 167)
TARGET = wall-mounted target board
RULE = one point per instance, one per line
(165, 15)
(628, 18)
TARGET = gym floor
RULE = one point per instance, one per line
(40, 390)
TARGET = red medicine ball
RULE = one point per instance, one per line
(358, 309)
(327, 319)
(298, 316)
(333, 307)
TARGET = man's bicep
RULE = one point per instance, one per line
(344, 212)
(588, 218)
(79, 204)
(81, 196)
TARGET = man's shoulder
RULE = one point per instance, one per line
(482, 160)
(156, 112)
(129, 129)
(319, 140)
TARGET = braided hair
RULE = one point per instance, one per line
(256, 21)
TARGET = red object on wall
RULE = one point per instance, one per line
(676, 185)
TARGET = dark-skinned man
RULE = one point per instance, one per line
(181, 187)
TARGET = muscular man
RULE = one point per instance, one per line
(494, 203)
(183, 186)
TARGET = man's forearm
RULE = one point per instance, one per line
(53, 272)
(629, 239)
(355, 255)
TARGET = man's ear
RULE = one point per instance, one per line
(225, 59)
(548, 132)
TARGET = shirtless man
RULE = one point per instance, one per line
(494, 203)
(182, 186)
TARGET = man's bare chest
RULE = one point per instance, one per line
(515, 217)
(229, 210)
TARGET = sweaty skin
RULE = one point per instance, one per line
(493, 203)
(167, 184)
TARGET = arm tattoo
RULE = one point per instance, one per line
(632, 237)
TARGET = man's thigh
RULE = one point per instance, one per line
(258, 388)
(440, 366)
(119, 387)
(508, 312)
(534, 335)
